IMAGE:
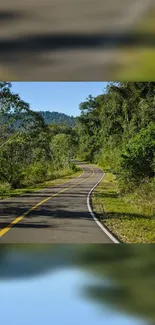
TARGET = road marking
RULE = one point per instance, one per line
(114, 240)
(16, 220)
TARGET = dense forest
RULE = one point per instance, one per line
(117, 130)
(57, 118)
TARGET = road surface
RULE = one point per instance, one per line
(58, 214)
(65, 39)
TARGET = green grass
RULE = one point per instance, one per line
(60, 177)
(130, 220)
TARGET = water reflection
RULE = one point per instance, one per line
(77, 284)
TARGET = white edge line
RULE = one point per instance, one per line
(94, 217)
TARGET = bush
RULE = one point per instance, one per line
(109, 159)
(4, 188)
(138, 159)
(143, 197)
(85, 156)
(74, 167)
(137, 163)
(35, 173)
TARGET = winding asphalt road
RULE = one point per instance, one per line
(57, 214)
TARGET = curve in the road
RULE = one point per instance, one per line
(16, 220)
(65, 218)
(106, 231)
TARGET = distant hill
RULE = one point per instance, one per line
(57, 118)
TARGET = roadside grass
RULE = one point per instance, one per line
(137, 64)
(129, 217)
(59, 178)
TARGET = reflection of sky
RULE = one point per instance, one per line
(53, 299)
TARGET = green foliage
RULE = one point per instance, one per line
(115, 130)
(74, 167)
(122, 117)
(12, 162)
(89, 128)
(15, 114)
(4, 188)
(138, 159)
(109, 159)
(30, 151)
(61, 150)
(35, 173)
(33, 158)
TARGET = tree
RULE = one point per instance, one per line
(111, 121)
(21, 132)
(15, 114)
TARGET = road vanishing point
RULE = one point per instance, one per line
(59, 214)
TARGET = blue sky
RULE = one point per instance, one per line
(63, 97)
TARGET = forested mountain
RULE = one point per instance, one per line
(53, 118)
(57, 118)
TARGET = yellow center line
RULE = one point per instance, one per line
(16, 220)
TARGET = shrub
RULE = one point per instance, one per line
(74, 167)
(109, 159)
(4, 188)
(35, 173)
(138, 158)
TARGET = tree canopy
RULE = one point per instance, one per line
(120, 123)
